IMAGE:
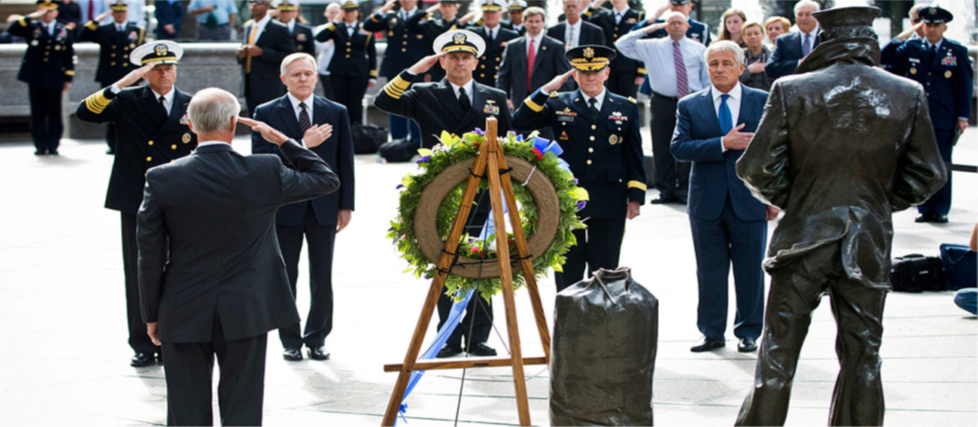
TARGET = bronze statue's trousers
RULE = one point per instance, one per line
(796, 288)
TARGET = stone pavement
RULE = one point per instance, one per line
(64, 357)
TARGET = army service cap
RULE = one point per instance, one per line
(590, 58)
(493, 6)
(285, 5)
(49, 4)
(460, 41)
(158, 52)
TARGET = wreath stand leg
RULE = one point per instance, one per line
(489, 163)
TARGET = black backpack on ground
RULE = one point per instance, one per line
(399, 150)
(367, 139)
(917, 273)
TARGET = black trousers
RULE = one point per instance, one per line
(671, 176)
(324, 81)
(189, 369)
(349, 91)
(321, 241)
(138, 339)
(47, 127)
(598, 246)
(940, 202)
(795, 293)
(622, 83)
(110, 138)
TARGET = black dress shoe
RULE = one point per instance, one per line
(707, 344)
(481, 349)
(159, 358)
(110, 152)
(939, 219)
(318, 353)
(925, 217)
(292, 354)
(663, 200)
(142, 359)
(53, 152)
(39, 152)
(448, 351)
(746, 345)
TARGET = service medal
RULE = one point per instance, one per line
(613, 139)
(185, 119)
(301, 37)
(564, 136)
(913, 71)
(947, 74)
(186, 138)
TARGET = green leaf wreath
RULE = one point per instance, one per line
(454, 149)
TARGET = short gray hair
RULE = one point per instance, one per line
(295, 57)
(212, 109)
(802, 3)
(669, 14)
(725, 46)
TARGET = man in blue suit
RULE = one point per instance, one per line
(791, 48)
(943, 68)
(169, 17)
(713, 127)
(323, 126)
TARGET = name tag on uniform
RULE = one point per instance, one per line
(566, 115)
(915, 60)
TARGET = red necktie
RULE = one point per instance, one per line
(91, 10)
(531, 57)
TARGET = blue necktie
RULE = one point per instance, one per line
(726, 123)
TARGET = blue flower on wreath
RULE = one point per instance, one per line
(424, 159)
(479, 132)
(581, 204)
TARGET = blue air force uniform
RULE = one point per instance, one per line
(605, 155)
(48, 64)
(945, 72)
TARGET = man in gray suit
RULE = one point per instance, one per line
(211, 275)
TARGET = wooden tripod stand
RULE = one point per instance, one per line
(489, 163)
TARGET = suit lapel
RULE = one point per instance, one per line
(541, 54)
(177, 109)
(287, 114)
(608, 106)
(474, 113)
(707, 108)
(939, 55)
(446, 95)
(746, 113)
(581, 106)
(150, 105)
(519, 57)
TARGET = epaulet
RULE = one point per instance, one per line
(331, 26)
(632, 100)
(640, 15)
(554, 94)
(250, 21)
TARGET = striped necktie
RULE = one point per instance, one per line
(304, 122)
(682, 85)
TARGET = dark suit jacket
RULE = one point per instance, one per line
(713, 176)
(404, 47)
(144, 140)
(38, 66)
(492, 58)
(263, 83)
(360, 56)
(207, 245)
(434, 107)
(590, 33)
(303, 38)
(337, 151)
(168, 13)
(605, 19)
(114, 49)
(839, 185)
(786, 56)
(548, 64)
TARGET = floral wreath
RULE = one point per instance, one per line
(438, 189)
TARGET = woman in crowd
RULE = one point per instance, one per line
(356, 70)
(731, 25)
(755, 56)
(776, 26)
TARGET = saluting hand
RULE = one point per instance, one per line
(266, 131)
(315, 135)
(557, 82)
(134, 76)
(102, 16)
(737, 140)
(389, 6)
(426, 63)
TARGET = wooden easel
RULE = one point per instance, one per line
(489, 163)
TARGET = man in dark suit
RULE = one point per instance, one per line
(301, 34)
(791, 48)
(713, 126)
(871, 130)
(404, 49)
(496, 38)
(307, 118)
(115, 41)
(943, 68)
(151, 132)
(47, 74)
(530, 61)
(574, 31)
(211, 281)
(457, 104)
(265, 42)
(429, 27)
(626, 73)
(599, 133)
(169, 17)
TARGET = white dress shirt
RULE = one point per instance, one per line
(259, 26)
(492, 33)
(50, 27)
(619, 14)
(657, 54)
(350, 29)
(206, 143)
(572, 34)
(599, 98)
(295, 106)
(324, 52)
(536, 43)
(468, 90)
(168, 98)
(733, 102)
(290, 26)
